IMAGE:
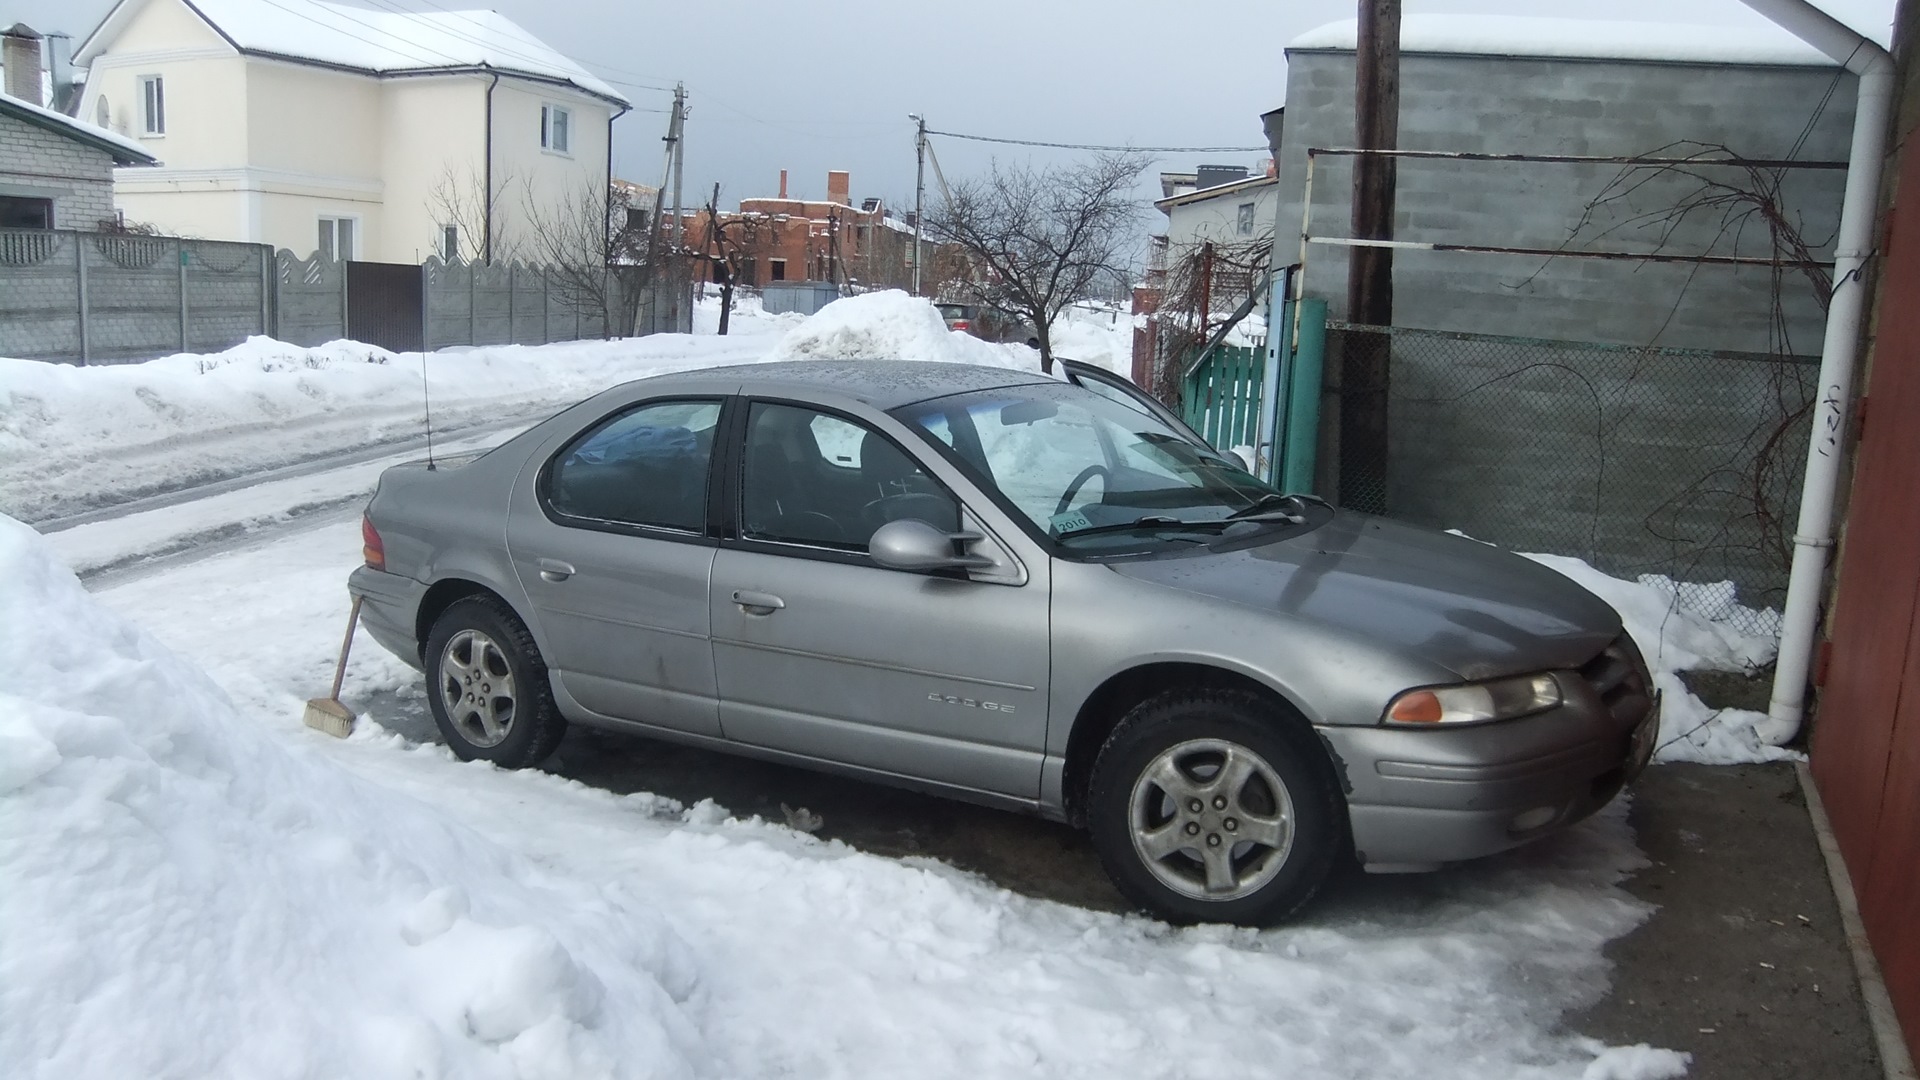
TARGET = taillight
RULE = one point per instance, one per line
(371, 549)
(961, 324)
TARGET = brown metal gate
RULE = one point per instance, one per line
(384, 305)
(1866, 742)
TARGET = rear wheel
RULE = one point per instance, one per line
(1206, 806)
(487, 686)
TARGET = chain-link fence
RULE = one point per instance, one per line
(1680, 467)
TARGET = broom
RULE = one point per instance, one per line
(327, 714)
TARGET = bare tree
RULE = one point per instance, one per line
(729, 244)
(599, 262)
(1204, 284)
(1041, 238)
(460, 199)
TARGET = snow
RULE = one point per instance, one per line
(402, 914)
(386, 41)
(1598, 39)
(894, 325)
(1676, 636)
(135, 153)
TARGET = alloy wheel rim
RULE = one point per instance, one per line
(477, 689)
(1211, 820)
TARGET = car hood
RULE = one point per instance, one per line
(1474, 609)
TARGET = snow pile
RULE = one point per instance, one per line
(76, 437)
(893, 325)
(1097, 334)
(1674, 637)
(189, 895)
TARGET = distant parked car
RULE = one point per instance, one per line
(1015, 590)
(990, 323)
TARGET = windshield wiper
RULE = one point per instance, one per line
(1151, 521)
(1259, 510)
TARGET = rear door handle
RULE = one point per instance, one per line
(554, 570)
(757, 603)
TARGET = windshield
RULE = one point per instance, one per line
(1085, 470)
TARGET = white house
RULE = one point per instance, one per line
(364, 134)
(1229, 214)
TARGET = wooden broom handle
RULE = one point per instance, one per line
(340, 670)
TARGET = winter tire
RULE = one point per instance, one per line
(1216, 806)
(487, 686)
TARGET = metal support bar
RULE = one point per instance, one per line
(1628, 256)
(1575, 159)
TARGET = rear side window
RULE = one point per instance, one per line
(645, 466)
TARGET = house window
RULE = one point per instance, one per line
(336, 238)
(19, 212)
(153, 105)
(776, 269)
(449, 243)
(1245, 225)
(101, 114)
(556, 129)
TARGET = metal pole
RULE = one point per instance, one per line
(80, 278)
(919, 193)
(180, 257)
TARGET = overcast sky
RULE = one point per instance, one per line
(827, 84)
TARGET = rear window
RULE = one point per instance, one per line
(645, 466)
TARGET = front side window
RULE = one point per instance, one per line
(556, 129)
(153, 105)
(336, 240)
(813, 478)
(646, 466)
(1085, 470)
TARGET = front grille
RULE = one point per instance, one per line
(1620, 678)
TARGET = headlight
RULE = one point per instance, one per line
(1503, 699)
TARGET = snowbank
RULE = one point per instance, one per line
(1675, 636)
(75, 437)
(190, 895)
(893, 325)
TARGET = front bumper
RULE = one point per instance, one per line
(1419, 797)
(390, 604)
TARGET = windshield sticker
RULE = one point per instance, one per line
(1071, 521)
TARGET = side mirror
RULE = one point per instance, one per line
(912, 544)
(1244, 459)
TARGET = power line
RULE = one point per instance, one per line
(1106, 149)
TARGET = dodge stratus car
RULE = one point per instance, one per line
(1037, 593)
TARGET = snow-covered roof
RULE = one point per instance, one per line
(377, 42)
(1593, 39)
(1237, 187)
(124, 150)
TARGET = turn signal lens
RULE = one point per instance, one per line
(1503, 699)
(371, 549)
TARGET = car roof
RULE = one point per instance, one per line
(883, 384)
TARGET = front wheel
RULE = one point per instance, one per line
(1210, 806)
(487, 686)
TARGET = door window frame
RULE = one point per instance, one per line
(733, 484)
(707, 536)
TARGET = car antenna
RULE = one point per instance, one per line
(426, 403)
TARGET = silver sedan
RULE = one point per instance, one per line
(1038, 594)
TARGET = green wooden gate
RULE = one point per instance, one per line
(1220, 399)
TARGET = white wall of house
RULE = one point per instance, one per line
(263, 150)
(1222, 218)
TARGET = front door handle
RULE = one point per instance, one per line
(757, 603)
(555, 571)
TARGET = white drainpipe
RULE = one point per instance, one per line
(1813, 536)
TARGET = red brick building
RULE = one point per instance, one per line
(786, 239)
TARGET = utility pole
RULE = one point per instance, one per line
(1363, 423)
(919, 191)
(679, 155)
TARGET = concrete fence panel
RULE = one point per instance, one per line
(310, 299)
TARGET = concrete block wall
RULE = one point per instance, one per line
(1570, 106)
(40, 163)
